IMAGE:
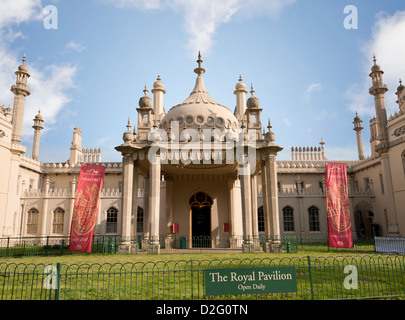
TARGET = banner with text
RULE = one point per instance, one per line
(86, 207)
(337, 206)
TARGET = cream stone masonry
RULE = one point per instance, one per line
(200, 169)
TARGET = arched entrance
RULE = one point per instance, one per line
(364, 218)
(200, 204)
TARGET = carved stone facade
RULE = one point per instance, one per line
(200, 169)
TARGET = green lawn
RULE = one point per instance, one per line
(132, 258)
(181, 276)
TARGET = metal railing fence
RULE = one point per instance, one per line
(52, 245)
(318, 278)
(110, 244)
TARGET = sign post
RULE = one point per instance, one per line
(250, 280)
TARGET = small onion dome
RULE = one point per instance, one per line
(356, 118)
(154, 135)
(401, 86)
(253, 103)
(375, 67)
(269, 136)
(145, 102)
(23, 67)
(38, 116)
(158, 84)
(128, 136)
(240, 85)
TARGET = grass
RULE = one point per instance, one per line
(130, 258)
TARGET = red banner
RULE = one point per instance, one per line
(337, 206)
(85, 208)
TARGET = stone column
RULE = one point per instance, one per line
(127, 192)
(393, 230)
(45, 208)
(73, 187)
(255, 225)
(169, 211)
(154, 203)
(266, 213)
(272, 201)
(246, 189)
(135, 190)
(231, 212)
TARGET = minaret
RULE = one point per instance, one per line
(21, 90)
(76, 151)
(401, 100)
(37, 127)
(378, 90)
(158, 92)
(240, 92)
(358, 127)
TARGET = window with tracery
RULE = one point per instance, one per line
(57, 221)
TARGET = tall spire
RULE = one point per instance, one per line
(199, 70)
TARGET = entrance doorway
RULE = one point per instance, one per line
(200, 204)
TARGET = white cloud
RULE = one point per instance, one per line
(49, 85)
(310, 89)
(15, 12)
(203, 17)
(314, 87)
(75, 46)
(138, 4)
(48, 93)
(287, 122)
(386, 43)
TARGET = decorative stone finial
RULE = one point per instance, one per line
(199, 70)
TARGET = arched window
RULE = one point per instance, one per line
(201, 199)
(57, 221)
(260, 219)
(112, 218)
(288, 218)
(313, 216)
(32, 221)
(139, 220)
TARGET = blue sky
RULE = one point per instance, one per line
(309, 72)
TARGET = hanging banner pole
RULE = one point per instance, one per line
(85, 207)
(337, 206)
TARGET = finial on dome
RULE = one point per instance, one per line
(251, 89)
(322, 142)
(23, 60)
(199, 70)
(374, 59)
(145, 91)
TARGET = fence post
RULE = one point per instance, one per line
(192, 277)
(46, 246)
(310, 278)
(8, 245)
(58, 272)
